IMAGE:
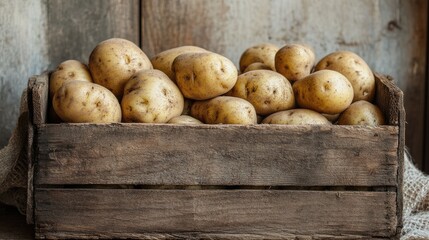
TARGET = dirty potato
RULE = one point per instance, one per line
(355, 69)
(260, 53)
(151, 97)
(266, 90)
(70, 70)
(324, 91)
(113, 61)
(184, 119)
(202, 76)
(164, 60)
(85, 102)
(362, 113)
(296, 117)
(225, 110)
(295, 61)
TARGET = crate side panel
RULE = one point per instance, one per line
(106, 211)
(257, 155)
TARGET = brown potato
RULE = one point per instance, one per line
(70, 70)
(362, 113)
(295, 61)
(324, 91)
(151, 97)
(202, 76)
(266, 90)
(331, 117)
(225, 110)
(85, 102)
(261, 53)
(164, 60)
(113, 61)
(296, 117)
(355, 69)
(184, 119)
(257, 66)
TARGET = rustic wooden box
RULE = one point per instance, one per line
(156, 181)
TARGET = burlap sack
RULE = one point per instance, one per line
(13, 181)
(13, 162)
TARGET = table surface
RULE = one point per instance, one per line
(13, 224)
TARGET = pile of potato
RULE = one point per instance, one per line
(191, 85)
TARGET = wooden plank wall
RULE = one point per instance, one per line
(390, 35)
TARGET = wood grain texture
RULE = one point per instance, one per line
(23, 53)
(163, 154)
(75, 27)
(274, 214)
(39, 87)
(389, 35)
(391, 100)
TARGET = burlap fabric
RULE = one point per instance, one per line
(13, 181)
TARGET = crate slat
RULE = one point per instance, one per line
(151, 154)
(139, 213)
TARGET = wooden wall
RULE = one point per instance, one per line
(390, 35)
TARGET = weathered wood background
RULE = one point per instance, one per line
(391, 35)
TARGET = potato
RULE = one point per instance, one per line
(69, 70)
(113, 61)
(257, 66)
(164, 60)
(266, 90)
(356, 71)
(85, 102)
(224, 109)
(324, 91)
(295, 61)
(184, 119)
(151, 97)
(296, 117)
(331, 117)
(202, 76)
(261, 53)
(187, 106)
(362, 113)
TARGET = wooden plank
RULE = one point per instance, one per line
(370, 28)
(75, 27)
(391, 100)
(29, 151)
(39, 86)
(23, 53)
(164, 154)
(164, 213)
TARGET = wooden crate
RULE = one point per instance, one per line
(157, 181)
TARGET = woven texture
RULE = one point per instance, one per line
(416, 202)
(14, 168)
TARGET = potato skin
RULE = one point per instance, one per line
(260, 53)
(257, 66)
(324, 91)
(266, 90)
(163, 61)
(361, 113)
(85, 102)
(294, 61)
(355, 69)
(184, 119)
(113, 61)
(298, 116)
(69, 70)
(151, 97)
(224, 110)
(202, 76)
